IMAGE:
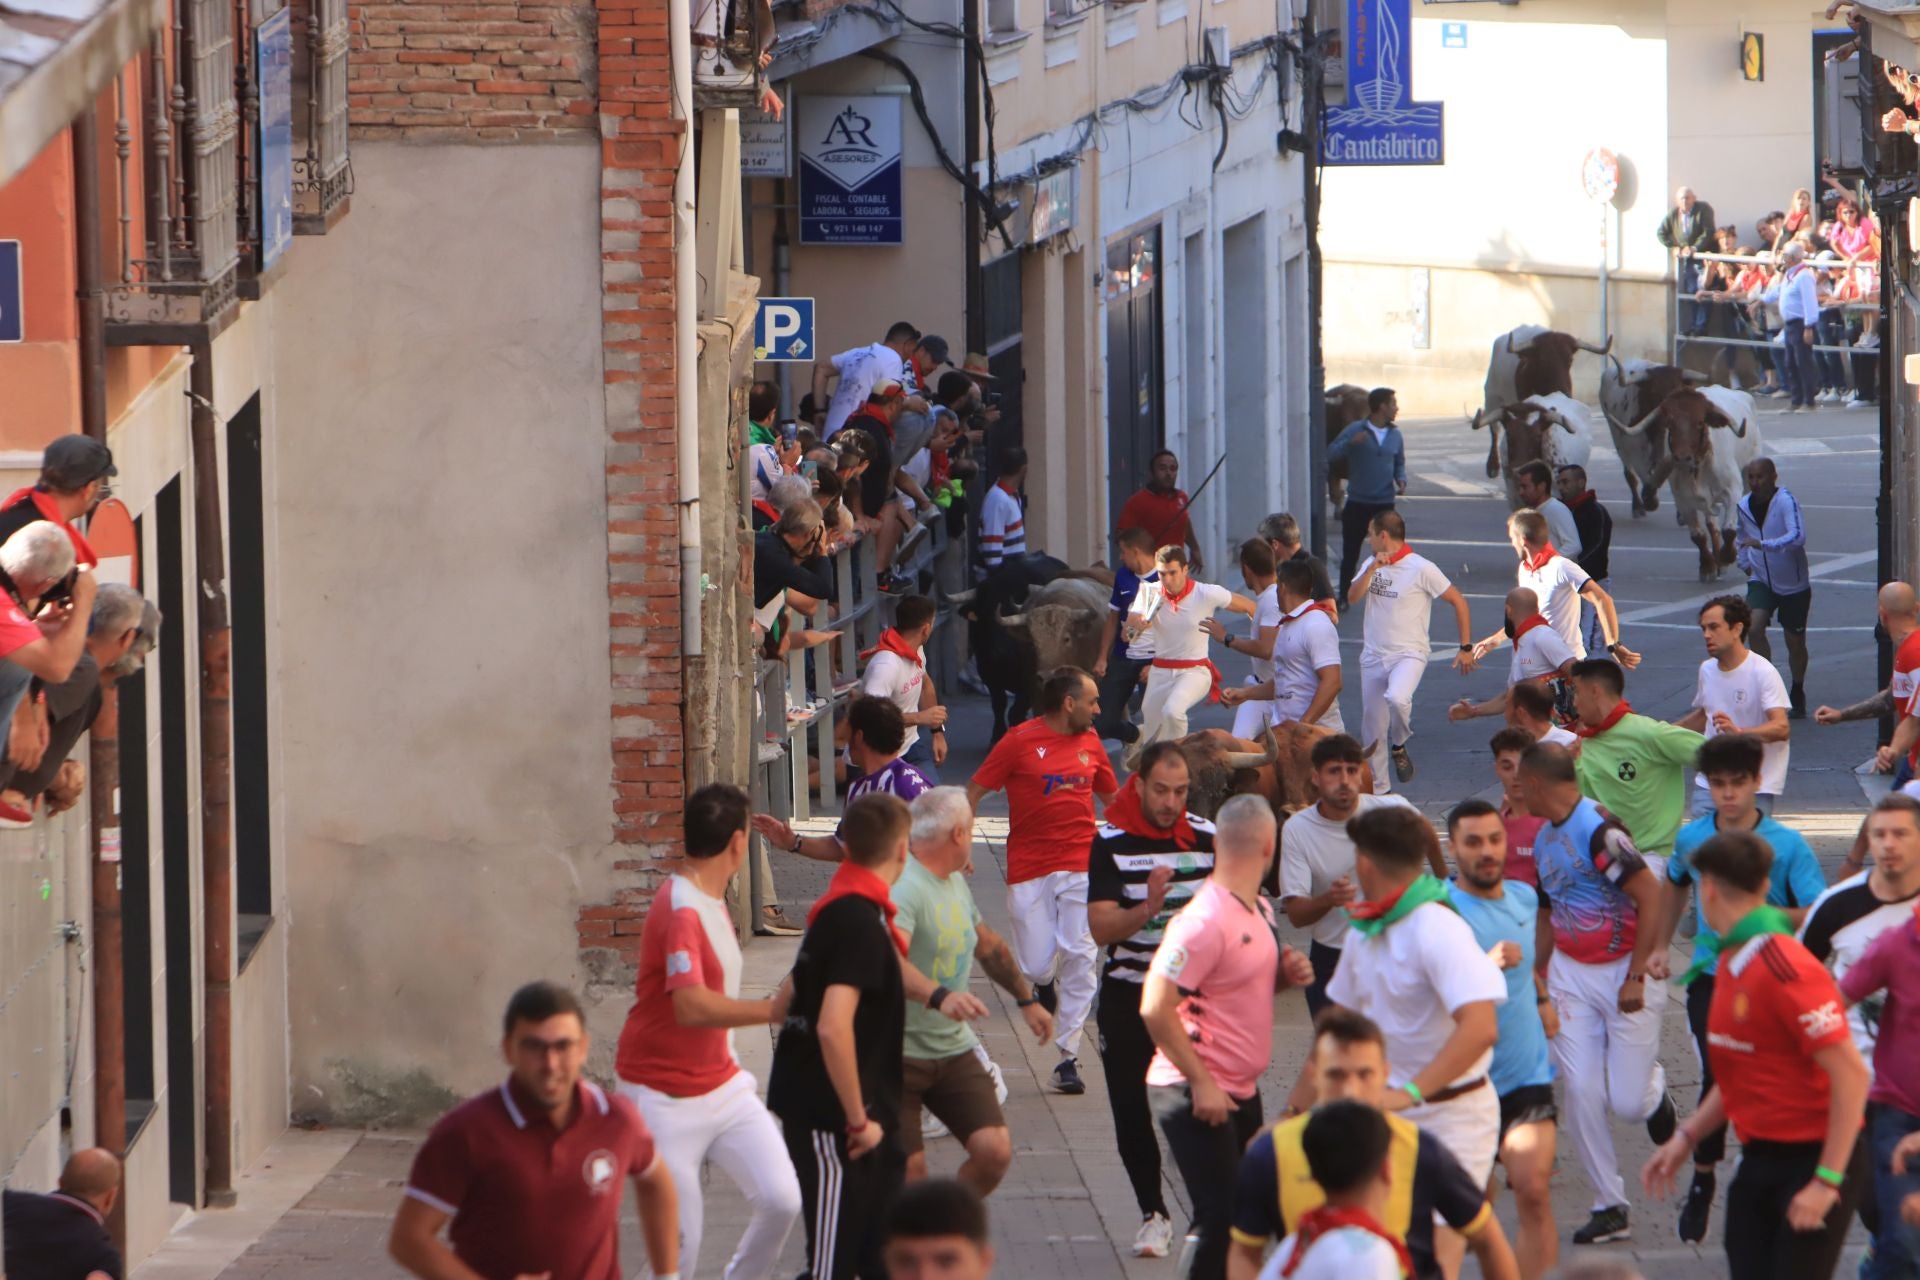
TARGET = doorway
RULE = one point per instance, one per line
(177, 861)
(1136, 385)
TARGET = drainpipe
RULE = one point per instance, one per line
(686, 285)
(93, 333)
(216, 774)
(1312, 102)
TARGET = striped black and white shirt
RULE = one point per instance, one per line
(1117, 871)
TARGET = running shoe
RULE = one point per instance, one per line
(932, 1126)
(1797, 703)
(1605, 1226)
(1066, 1077)
(1697, 1209)
(1155, 1237)
(1829, 396)
(1402, 764)
(775, 924)
(15, 817)
(1664, 1120)
(1855, 402)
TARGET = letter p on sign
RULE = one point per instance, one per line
(783, 330)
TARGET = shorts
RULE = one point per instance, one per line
(957, 1089)
(1789, 611)
(1469, 1126)
(1529, 1104)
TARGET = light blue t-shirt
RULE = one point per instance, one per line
(1796, 879)
(1520, 1057)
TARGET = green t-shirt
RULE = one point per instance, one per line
(1640, 771)
(940, 917)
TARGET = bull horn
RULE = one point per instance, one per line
(1014, 619)
(1619, 371)
(1599, 351)
(1510, 347)
(1253, 759)
(1640, 427)
(1696, 378)
(1559, 420)
(1484, 418)
(961, 599)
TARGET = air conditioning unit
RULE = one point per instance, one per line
(1219, 50)
(1840, 115)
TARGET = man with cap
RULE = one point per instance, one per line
(74, 472)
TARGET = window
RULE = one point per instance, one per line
(1003, 17)
(1063, 11)
(246, 572)
(136, 884)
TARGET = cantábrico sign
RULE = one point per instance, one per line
(850, 170)
(1381, 124)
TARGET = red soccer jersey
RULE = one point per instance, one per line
(687, 941)
(1161, 514)
(526, 1198)
(1050, 780)
(1905, 687)
(1521, 833)
(1774, 1006)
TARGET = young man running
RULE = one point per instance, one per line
(1602, 979)
(1540, 656)
(1255, 712)
(1733, 765)
(1787, 1076)
(875, 732)
(1052, 767)
(1738, 692)
(1208, 1004)
(1531, 707)
(1304, 683)
(1346, 1146)
(1505, 917)
(1400, 589)
(1148, 860)
(1633, 766)
(897, 671)
(1559, 585)
(1521, 824)
(676, 1062)
(1122, 661)
(1275, 1188)
(1175, 610)
(1413, 966)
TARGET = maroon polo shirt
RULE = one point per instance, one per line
(526, 1197)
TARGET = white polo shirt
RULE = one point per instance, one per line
(1540, 652)
(1266, 613)
(1306, 643)
(859, 370)
(1400, 607)
(1176, 625)
(1411, 978)
(1746, 694)
(1314, 852)
(890, 676)
(1556, 584)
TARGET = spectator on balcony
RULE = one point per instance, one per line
(36, 563)
(64, 1233)
(57, 714)
(881, 484)
(930, 359)
(1161, 508)
(1799, 217)
(785, 558)
(770, 454)
(74, 471)
(1686, 230)
(860, 371)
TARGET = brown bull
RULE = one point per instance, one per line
(1280, 768)
(1540, 363)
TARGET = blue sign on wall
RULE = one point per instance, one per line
(1381, 124)
(13, 314)
(1453, 35)
(273, 49)
(850, 170)
(783, 329)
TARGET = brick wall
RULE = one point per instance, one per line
(455, 72)
(640, 144)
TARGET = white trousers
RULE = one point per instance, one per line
(1171, 693)
(1250, 721)
(1386, 708)
(733, 1127)
(1052, 943)
(1609, 1061)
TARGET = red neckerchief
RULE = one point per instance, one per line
(1537, 620)
(1613, 718)
(1318, 606)
(1372, 908)
(1126, 812)
(1173, 601)
(49, 510)
(1395, 558)
(1582, 499)
(1013, 492)
(1315, 1223)
(888, 426)
(1534, 564)
(765, 508)
(891, 641)
(851, 880)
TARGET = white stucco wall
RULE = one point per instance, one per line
(441, 554)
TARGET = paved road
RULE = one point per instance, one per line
(1066, 1202)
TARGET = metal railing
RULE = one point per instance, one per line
(1678, 337)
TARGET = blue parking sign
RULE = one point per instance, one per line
(783, 330)
(13, 317)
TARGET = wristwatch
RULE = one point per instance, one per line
(1466, 648)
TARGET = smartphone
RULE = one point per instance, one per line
(810, 468)
(789, 431)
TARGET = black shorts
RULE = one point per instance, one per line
(1789, 611)
(1529, 1104)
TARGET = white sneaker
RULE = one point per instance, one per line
(1827, 397)
(932, 1126)
(993, 1069)
(1155, 1237)
(1854, 402)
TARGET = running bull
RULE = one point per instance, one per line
(1530, 360)
(1708, 473)
(1026, 620)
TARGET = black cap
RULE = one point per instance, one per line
(73, 462)
(936, 348)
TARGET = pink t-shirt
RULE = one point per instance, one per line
(1223, 957)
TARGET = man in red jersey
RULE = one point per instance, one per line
(1904, 691)
(1051, 768)
(528, 1173)
(1161, 508)
(676, 1062)
(1786, 1075)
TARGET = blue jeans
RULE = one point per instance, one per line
(14, 682)
(920, 756)
(1799, 374)
(1896, 1250)
(1690, 283)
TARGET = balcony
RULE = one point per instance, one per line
(322, 178)
(728, 38)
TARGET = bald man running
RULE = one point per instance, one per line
(63, 1235)
(1899, 611)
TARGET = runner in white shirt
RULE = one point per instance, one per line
(897, 671)
(1306, 680)
(858, 370)
(1539, 655)
(1003, 522)
(1530, 707)
(1559, 584)
(1255, 712)
(1182, 674)
(1739, 692)
(1400, 589)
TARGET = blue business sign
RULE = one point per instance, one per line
(13, 301)
(783, 329)
(850, 170)
(273, 48)
(1380, 123)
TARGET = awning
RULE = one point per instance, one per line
(55, 58)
